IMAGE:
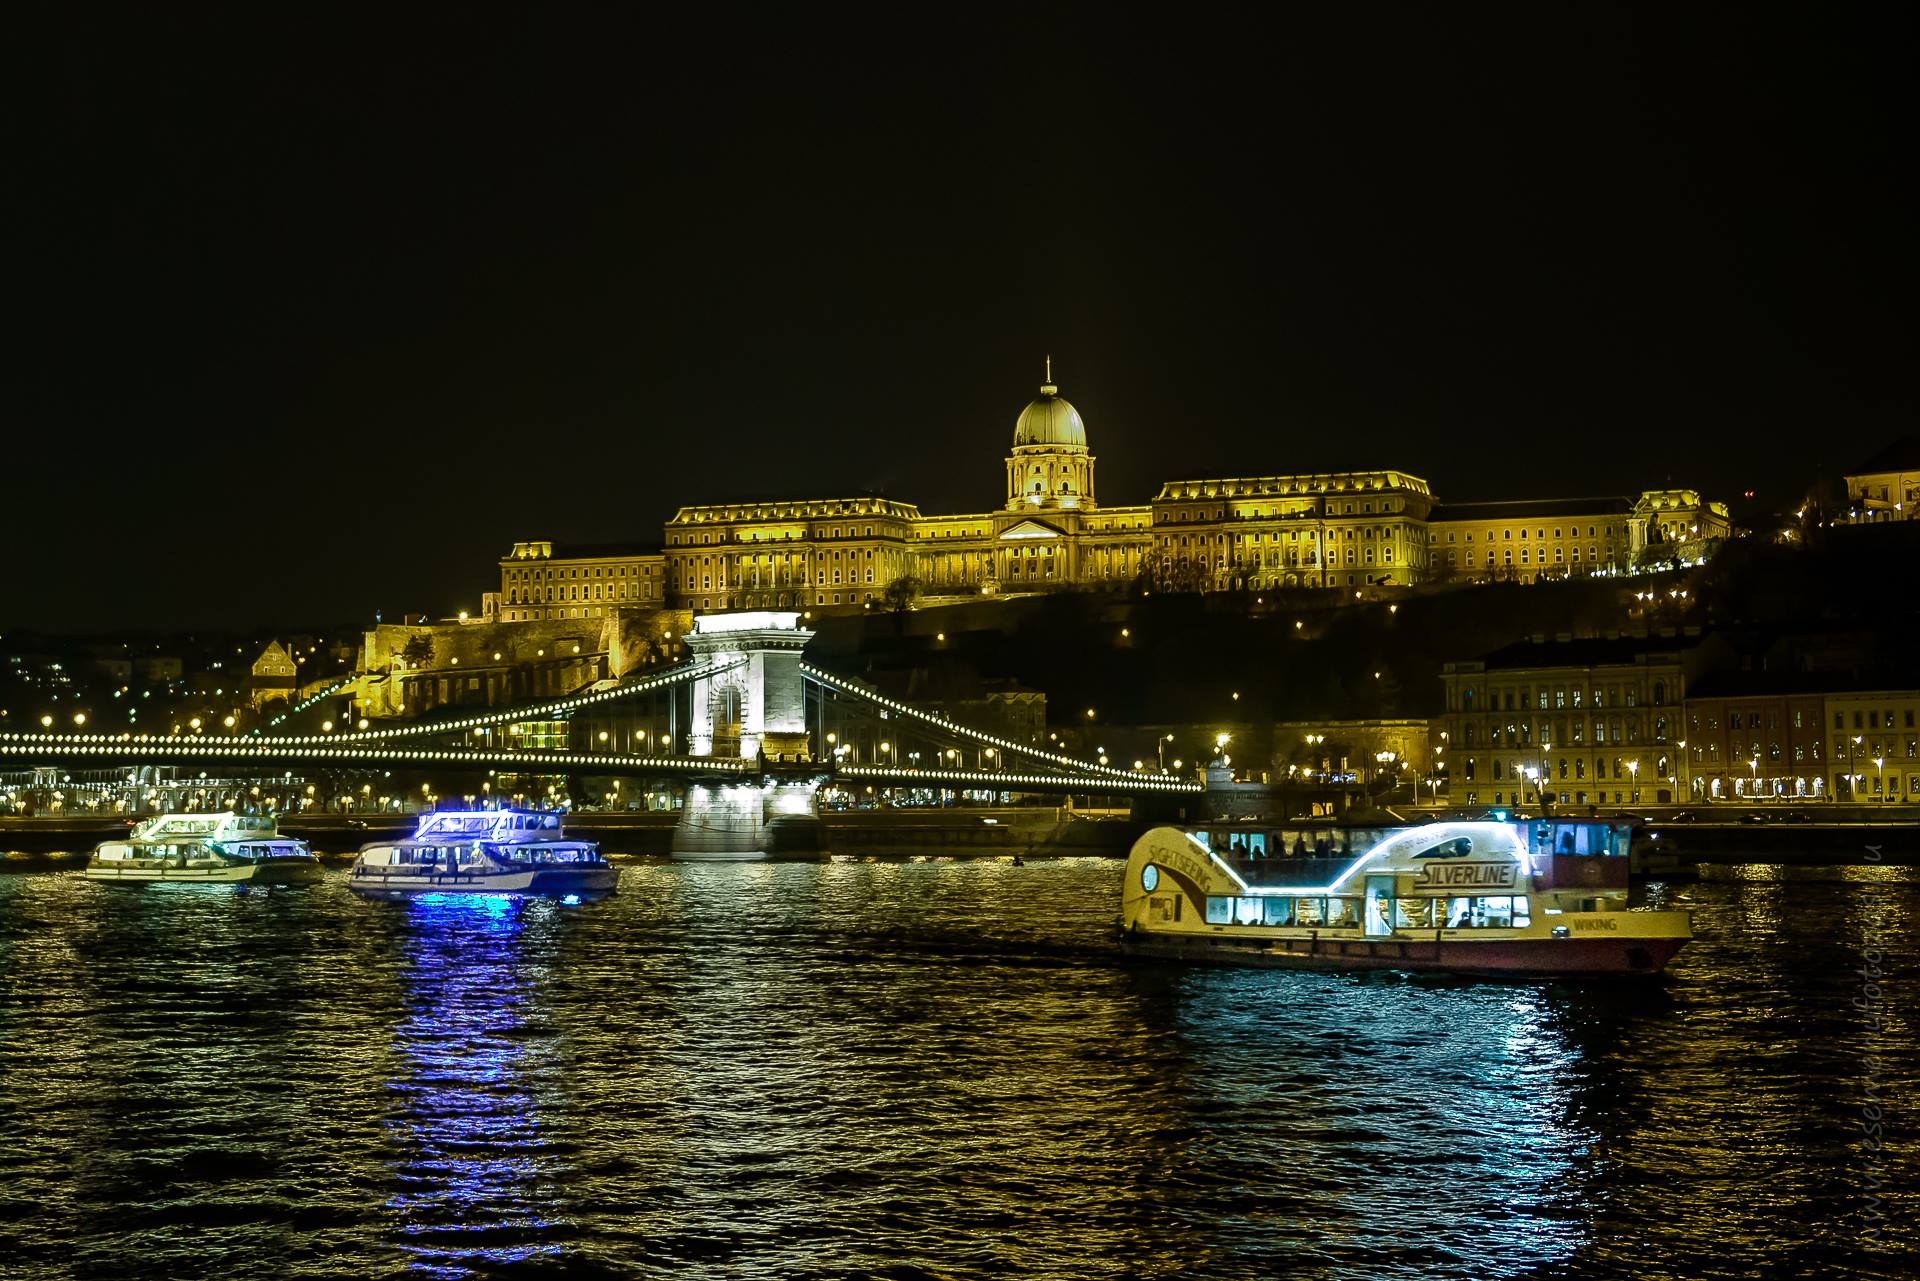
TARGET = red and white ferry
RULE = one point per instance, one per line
(1534, 899)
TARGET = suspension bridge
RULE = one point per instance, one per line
(753, 732)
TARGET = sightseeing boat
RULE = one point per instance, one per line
(205, 848)
(1542, 898)
(505, 851)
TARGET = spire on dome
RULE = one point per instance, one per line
(1047, 388)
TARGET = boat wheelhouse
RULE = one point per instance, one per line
(505, 851)
(205, 848)
(1522, 899)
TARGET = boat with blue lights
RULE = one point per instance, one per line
(503, 851)
(212, 848)
(1518, 899)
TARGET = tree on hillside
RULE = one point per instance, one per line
(418, 651)
(900, 594)
(897, 597)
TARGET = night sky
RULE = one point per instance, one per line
(316, 318)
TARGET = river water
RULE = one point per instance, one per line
(936, 1069)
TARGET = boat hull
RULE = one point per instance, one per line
(287, 872)
(1518, 958)
(542, 881)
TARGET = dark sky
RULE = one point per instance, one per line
(315, 318)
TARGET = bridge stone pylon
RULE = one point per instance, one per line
(754, 688)
(750, 699)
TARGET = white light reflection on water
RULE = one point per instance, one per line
(1445, 1109)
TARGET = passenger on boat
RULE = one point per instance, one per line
(1299, 847)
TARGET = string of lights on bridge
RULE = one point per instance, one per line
(964, 731)
(543, 711)
(1001, 780)
(305, 703)
(363, 745)
(171, 747)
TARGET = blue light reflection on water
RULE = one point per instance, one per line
(923, 1070)
(478, 1180)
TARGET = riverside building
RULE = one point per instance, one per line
(1335, 530)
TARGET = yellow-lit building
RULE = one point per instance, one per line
(1526, 541)
(1887, 485)
(1364, 529)
(1584, 722)
(1875, 744)
(540, 582)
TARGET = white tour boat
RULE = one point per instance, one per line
(204, 848)
(504, 851)
(1521, 899)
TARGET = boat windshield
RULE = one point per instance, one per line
(459, 824)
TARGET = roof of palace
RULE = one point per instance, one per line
(1530, 508)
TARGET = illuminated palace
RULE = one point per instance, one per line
(1336, 530)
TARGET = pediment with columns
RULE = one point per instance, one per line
(1032, 529)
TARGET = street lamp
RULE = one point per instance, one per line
(1160, 751)
(1633, 773)
(1754, 765)
(1880, 784)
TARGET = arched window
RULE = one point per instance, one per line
(1659, 693)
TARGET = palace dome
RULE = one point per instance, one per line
(1050, 420)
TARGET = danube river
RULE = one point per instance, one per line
(929, 1069)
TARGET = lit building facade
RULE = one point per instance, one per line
(540, 582)
(1584, 722)
(1875, 744)
(1750, 743)
(1666, 720)
(1887, 485)
(1333, 530)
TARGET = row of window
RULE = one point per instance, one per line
(1553, 699)
(1507, 534)
(1574, 768)
(1572, 730)
(590, 571)
(1872, 717)
(1868, 748)
(1559, 557)
(1497, 911)
(583, 591)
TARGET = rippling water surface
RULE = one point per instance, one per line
(926, 1069)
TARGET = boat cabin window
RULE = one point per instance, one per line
(1458, 847)
(1286, 911)
(1495, 912)
(1578, 838)
(1413, 913)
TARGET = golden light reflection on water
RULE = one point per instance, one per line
(920, 1068)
